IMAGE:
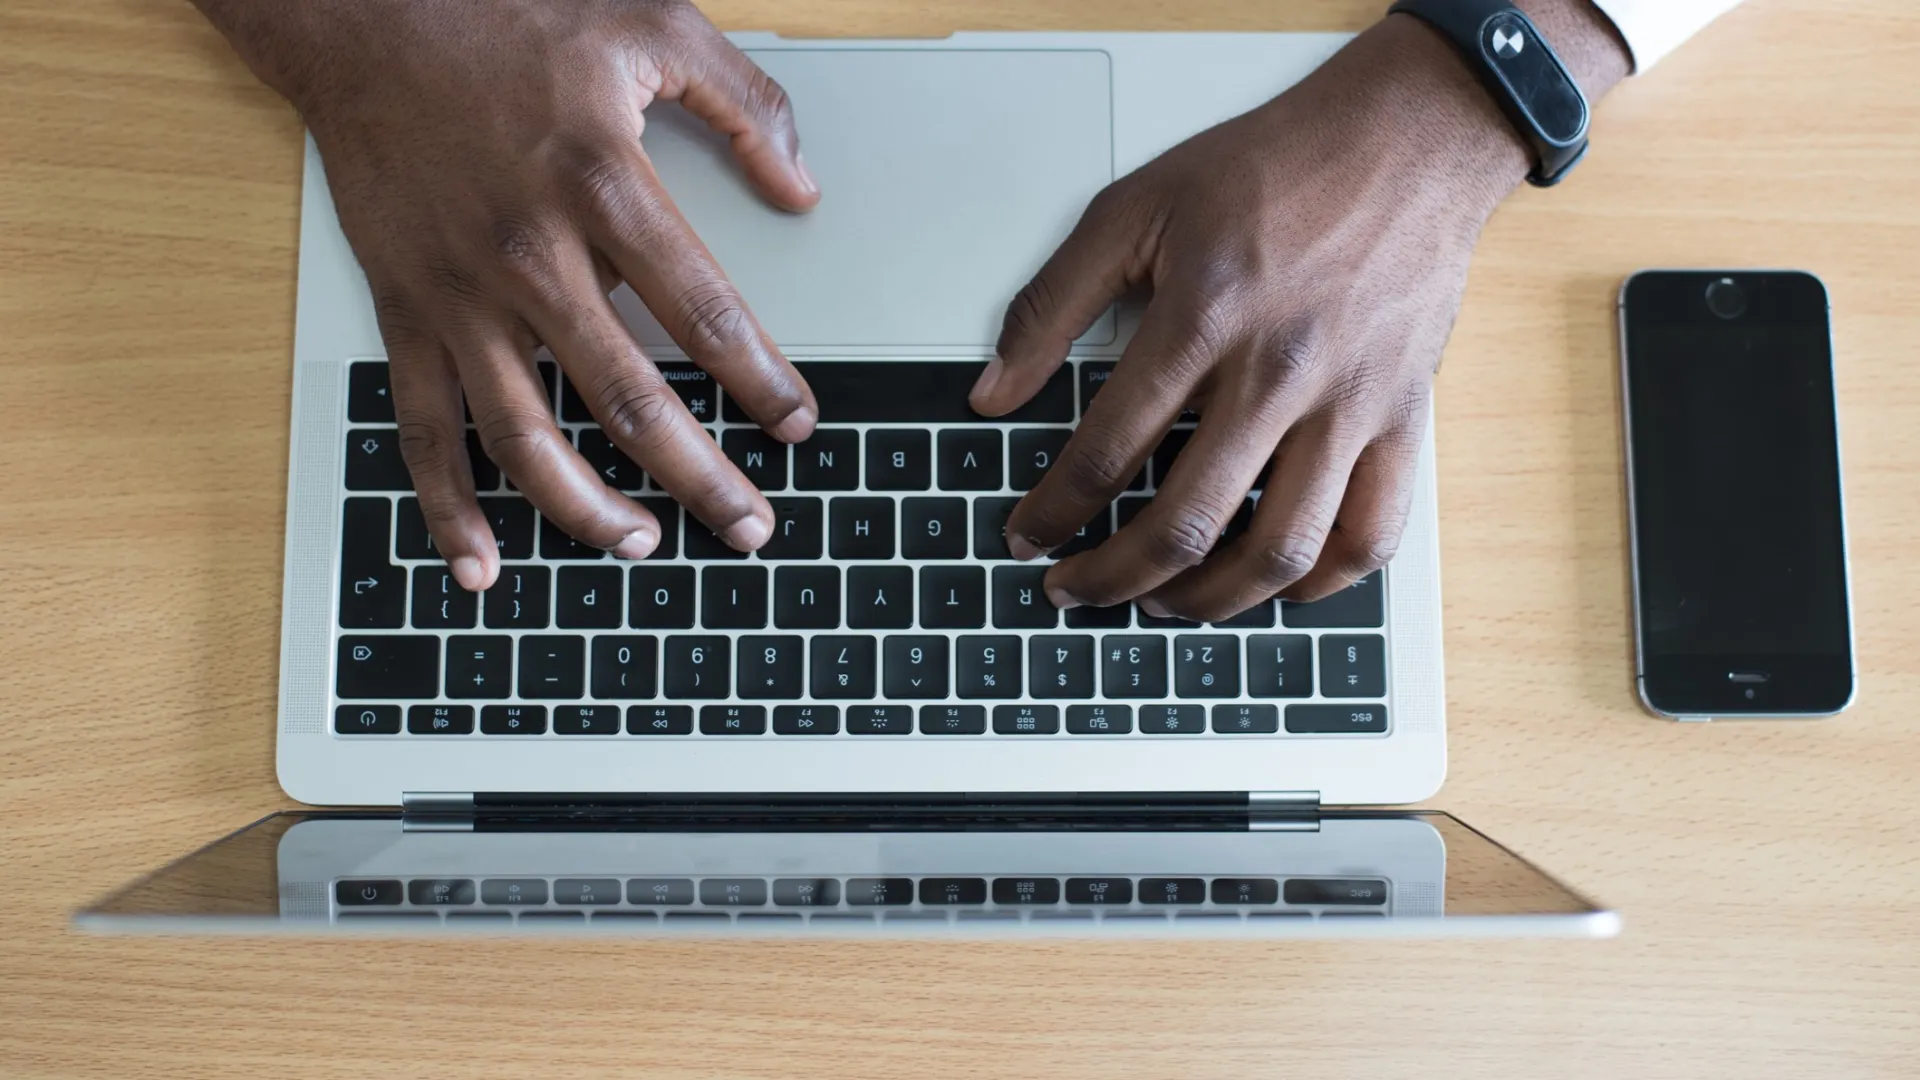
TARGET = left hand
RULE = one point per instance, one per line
(1306, 261)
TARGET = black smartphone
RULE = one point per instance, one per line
(1741, 606)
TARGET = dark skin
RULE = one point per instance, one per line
(1303, 263)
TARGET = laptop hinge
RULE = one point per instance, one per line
(436, 811)
(1283, 811)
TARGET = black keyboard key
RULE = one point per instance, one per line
(387, 666)
(660, 597)
(553, 666)
(1357, 892)
(374, 462)
(588, 598)
(970, 460)
(1206, 666)
(433, 892)
(549, 373)
(1060, 666)
(667, 512)
(1246, 719)
(511, 520)
(1173, 719)
(1030, 453)
(373, 591)
(698, 667)
(440, 720)
(383, 893)
(586, 720)
(1026, 719)
(612, 463)
(953, 890)
(1133, 666)
(623, 666)
(990, 527)
(733, 720)
(733, 598)
(1099, 719)
(367, 720)
(879, 720)
(861, 528)
(556, 543)
(933, 528)
(1279, 666)
(704, 544)
(1117, 617)
(916, 666)
(1242, 890)
(1094, 374)
(828, 461)
(806, 719)
(953, 597)
(659, 719)
(411, 540)
(880, 597)
(1168, 450)
(513, 892)
(797, 528)
(660, 892)
(916, 392)
(770, 667)
(1173, 890)
(988, 667)
(1089, 536)
(759, 455)
(733, 892)
(879, 892)
(806, 597)
(1128, 507)
(1258, 617)
(369, 399)
(953, 719)
(843, 667)
(479, 666)
(1020, 599)
(806, 892)
(586, 891)
(1099, 890)
(695, 387)
(519, 598)
(899, 460)
(1360, 605)
(1353, 665)
(439, 603)
(1026, 890)
(1336, 719)
(513, 720)
(486, 475)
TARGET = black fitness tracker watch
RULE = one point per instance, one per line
(1522, 72)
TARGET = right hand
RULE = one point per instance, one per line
(485, 160)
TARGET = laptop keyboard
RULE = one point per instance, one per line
(886, 602)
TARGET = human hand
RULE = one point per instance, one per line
(485, 160)
(1305, 262)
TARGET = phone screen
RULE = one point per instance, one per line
(1739, 550)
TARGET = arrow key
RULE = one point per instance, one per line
(374, 462)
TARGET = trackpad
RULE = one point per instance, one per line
(948, 176)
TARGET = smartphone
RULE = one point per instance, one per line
(1740, 597)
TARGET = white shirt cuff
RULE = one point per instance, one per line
(1654, 28)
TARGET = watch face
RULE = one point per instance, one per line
(1540, 87)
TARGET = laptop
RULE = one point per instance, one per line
(881, 705)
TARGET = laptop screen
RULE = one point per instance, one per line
(1336, 874)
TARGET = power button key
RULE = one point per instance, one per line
(366, 893)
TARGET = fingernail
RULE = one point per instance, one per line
(1024, 549)
(796, 427)
(747, 534)
(806, 177)
(1153, 607)
(989, 379)
(638, 544)
(1063, 599)
(469, 572)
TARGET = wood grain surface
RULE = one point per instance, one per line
(1767, 871)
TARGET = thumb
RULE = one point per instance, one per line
(730, 92)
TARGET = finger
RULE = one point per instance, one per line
(1366, 530)
(1286, 538)
(428, 408)
(1207, 485)
(1122, 426)
(512, 414)
(634, 222)
(730, 92)
(1090, 270)
(642, 414)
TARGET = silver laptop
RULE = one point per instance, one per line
(884, 652)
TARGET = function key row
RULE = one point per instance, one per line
(932, 891)
(801, 720)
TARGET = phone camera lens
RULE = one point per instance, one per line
(1726, 299)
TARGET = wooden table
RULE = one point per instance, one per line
(148, 198)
